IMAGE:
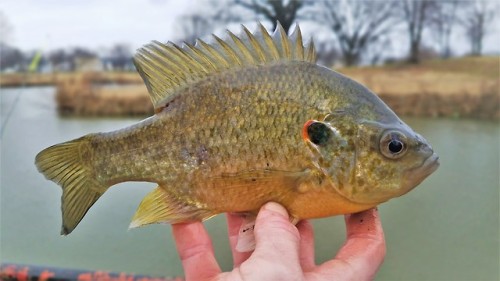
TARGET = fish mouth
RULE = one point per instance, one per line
(430, 164)
(416, 175)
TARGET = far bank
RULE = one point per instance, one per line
(465, 87)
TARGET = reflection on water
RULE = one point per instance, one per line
(447, 228)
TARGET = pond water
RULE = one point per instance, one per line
(446, 229)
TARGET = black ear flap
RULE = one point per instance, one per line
(316, 132)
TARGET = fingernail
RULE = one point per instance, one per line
(276, 208)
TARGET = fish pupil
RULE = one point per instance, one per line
(395, 146)
(318, 133)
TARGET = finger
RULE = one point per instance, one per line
(364, 250)
(277, 243)
(195, 250)
(306, 245)
(234, 222)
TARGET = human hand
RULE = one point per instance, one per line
(283, 251)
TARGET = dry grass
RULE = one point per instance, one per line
(470, 76)
(105, 94)
(465, 87)
(36, 79)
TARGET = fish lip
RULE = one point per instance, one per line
(418, 174)
(431, 163)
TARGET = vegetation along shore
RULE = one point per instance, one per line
(465, 87)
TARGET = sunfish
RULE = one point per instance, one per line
(238, 123)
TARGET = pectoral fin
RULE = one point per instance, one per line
(161, 206)
(279, 182)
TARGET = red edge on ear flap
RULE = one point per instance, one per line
(305, 135)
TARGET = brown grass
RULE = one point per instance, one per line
(105, 94)
(471, 76)
(465, 87)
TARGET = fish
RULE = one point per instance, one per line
(240, 122)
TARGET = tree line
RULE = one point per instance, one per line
(357, 31)
(118, 57)
(360, 29)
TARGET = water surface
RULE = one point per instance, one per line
(446, 229)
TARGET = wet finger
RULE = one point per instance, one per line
(234, 222)
(277, 243)
(306, 245)
(364, 250)
(196, 251)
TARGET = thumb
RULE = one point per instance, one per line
(275, 236)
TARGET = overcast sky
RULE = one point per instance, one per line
(50, 24)
(95, 24)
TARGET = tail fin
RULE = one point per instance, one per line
(69, 165)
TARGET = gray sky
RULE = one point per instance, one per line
(50, 24)
(95, 24)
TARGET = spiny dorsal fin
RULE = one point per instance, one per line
(165, 68)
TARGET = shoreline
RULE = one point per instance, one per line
(407, 90)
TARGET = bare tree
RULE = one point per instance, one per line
(377, 53)
(283, 11)
(477, 18)
(121, 56)
(443, 19)
(357, 25)
(80, 52)
(195, 26)
(11, 58)
(328, 55)
(60, 59)
(416, 14)
(203, 22)
(223, 13)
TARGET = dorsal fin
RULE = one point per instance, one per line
(166, 68)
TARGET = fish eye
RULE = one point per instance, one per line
(318, 133)
(393, 145)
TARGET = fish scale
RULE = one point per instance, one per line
(223, 134)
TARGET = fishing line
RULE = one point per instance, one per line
(12, 107)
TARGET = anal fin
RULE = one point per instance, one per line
(161, 206)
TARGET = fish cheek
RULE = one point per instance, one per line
(361, 161)
(376, 179)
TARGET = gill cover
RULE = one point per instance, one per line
(332, 151)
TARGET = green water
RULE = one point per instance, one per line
(446, 229)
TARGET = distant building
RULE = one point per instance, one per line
(86, 64)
